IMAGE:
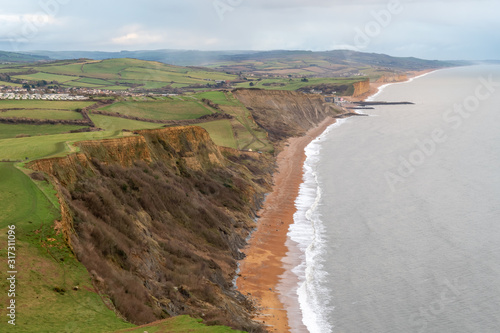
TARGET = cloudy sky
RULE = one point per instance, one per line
(431, 29)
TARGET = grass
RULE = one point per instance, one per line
(51, 145)
(221, 132)
(12, 130)
(71, 69)
(294, 84)
(40, 104)
(47, 77)
(218, 97)
(173, 109)
(180, 324)
(117, 124)
(104, 74)
(3, 83)
(45, 264)
(41, 114)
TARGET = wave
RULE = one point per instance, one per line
(308, 233)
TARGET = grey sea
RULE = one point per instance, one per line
(398, 221)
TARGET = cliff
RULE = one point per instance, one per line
(361, 88)
(392, 78)
(158, 220)
(285, 114)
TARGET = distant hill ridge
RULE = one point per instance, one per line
(199, 58)
(20, 57)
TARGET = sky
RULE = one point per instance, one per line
(429, 29)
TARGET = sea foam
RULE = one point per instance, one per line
(308, 233)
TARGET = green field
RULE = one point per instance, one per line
(13, 130)
(295, 84)
(221, 132)
(172, 109)
(47, 77)
(117, 74)
(40, 104)
(218, 97)
(41, 114)
(48, 146)
(54, 292)
(180, 324)
(117, 124)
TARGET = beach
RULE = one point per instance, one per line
(260, 271)
(263, 269)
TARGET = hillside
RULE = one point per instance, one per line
(12, 57)
(112, 74)
(148, 224)
(233, 58)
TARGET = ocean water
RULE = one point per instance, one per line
(398, 221)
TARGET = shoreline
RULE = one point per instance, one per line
(265, 275)
(262, 269)
(376, 87)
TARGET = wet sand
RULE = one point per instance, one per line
(261, 270)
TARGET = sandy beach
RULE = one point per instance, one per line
(261, 269)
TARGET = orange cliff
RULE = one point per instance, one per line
(361, 88)
(167, 181)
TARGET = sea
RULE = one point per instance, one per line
(398, 220)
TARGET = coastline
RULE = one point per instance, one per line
(376, 87)
(261, 270)
(265, 275)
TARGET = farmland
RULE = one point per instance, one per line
(41, 114)
(296, 84)
(13, 130)
(115, 124)
(167, 109)
(115, 74)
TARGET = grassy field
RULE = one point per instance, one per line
(11, 131)
(47, 77)
(172, 109)
(221, 132)
(48, 146)
(41, 114)
(218, 97)
(117, 124)
(294, 84)
(180, 324)
(48, 273)
(40, 104)
(107, 73)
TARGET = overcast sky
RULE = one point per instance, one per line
(431, 29)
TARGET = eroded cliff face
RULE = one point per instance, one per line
(393, 78)
(361, 88)
(158, 220)
(284, 114)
